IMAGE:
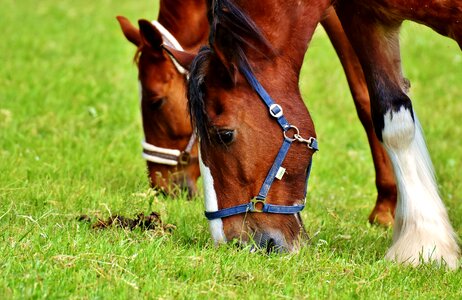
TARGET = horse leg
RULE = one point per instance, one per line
(384, 210)
(422, 231)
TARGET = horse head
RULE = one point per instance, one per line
(169, 145)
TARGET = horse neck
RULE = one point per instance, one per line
(289, 31)
(186, 20)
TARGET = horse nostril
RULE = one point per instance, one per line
(271, 246)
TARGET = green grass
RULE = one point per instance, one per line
(69, 144)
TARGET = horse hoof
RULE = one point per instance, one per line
(382, 216)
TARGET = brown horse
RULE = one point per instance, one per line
(231, 90)
(169, 147)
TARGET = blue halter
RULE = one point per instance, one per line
(276, 112)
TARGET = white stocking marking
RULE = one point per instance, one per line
(422, 230)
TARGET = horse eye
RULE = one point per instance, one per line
(225, 136)
(156, 103)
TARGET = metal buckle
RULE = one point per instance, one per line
(184, 158)
(254, 207)
(273, 114)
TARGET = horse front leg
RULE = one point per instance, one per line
(422, 231)
(384, 210)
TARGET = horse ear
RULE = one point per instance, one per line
(182, 57)
(131, 32)
(150, 35)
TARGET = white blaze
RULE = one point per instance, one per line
(211, 203)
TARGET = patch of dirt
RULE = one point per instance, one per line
(149, 222)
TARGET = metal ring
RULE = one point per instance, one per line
(278, 114)
(184, 158)
(297, 132)
(254, 207)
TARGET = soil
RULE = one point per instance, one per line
(149, 222)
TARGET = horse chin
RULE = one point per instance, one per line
(258, 235)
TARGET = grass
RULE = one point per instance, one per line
(69, 144)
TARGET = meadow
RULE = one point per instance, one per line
(70, 136)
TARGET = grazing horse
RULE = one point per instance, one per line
(422, 230)
(257, 138)
(245, 102)
(170, 148)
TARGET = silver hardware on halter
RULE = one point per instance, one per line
(297, 137)
(308, 142)
(184, 158)
(279, 113)
(297, 132)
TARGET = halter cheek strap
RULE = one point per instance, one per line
(170, 41)
(258, 204)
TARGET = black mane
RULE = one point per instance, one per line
(231, 31)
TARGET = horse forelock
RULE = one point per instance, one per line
(236, 31)
(196, 91)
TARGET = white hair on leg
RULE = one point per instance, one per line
(422, 231)
(211, 203)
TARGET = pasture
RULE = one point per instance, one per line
(69, 145)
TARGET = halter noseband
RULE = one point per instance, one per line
(167, 156)
(258, 204)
